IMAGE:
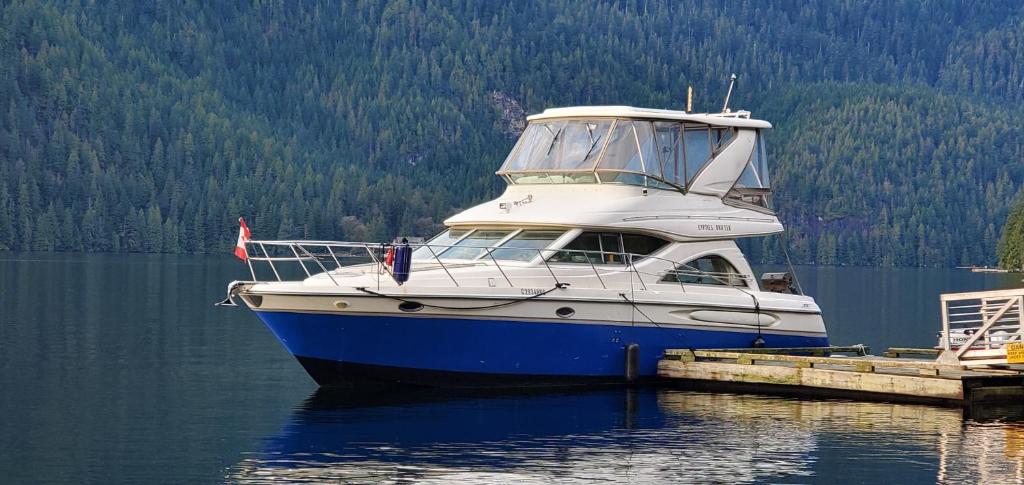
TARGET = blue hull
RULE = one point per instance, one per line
(340, 349)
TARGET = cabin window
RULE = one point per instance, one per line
(585, 248)
(525, 245)
(607, 248)
(698, 150)
(706, 270)
(475, 244)
(641, 244)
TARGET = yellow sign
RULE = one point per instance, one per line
(1015, 353)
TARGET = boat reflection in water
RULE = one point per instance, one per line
(646, 435)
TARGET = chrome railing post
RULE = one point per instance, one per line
(496, 265)
(545, 261)
(248, 261)
(318, 263)
(380, 266)
(373, 257)
(596, 273)
(633, 266)
(445, 268)
(329, 250)
(270, 261)
(297, 258)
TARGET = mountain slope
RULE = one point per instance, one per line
(147, 127)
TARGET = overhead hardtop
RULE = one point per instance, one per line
(721, 155)
(738, 119)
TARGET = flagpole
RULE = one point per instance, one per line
(243, 240)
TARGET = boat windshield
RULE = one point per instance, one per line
(525, 245)
(439, 243)
(661, 154)
(474, 244)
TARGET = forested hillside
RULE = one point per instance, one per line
(1011, 245)
(151, 126)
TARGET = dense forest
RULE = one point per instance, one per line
(1011, 245)
(151, 126)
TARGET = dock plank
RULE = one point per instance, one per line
(857, 376)
(877, 383)
(858, 362)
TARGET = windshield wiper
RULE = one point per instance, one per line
(593, 143)
(553, 140)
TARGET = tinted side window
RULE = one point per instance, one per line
(642, 244)
(706, 270)
(607, 248)
(585, 248)
(611, 248)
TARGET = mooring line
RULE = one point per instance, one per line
(557, 286)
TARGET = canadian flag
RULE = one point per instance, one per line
(243, 237)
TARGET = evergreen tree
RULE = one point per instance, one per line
(1011, 245)
(895, 122)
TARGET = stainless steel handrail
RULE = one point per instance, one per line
(303, 251)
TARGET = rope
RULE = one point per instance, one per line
(624, 297)
(481, 307)
(635, 307)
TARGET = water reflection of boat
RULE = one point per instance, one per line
(523, 437)
(651, 435)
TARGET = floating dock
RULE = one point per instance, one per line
(808, 371)
(979, 359)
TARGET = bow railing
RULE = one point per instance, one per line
(292, 260)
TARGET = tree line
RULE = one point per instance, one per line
(151, 126)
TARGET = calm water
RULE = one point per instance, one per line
(119, 369)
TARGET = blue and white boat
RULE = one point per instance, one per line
(614, 240)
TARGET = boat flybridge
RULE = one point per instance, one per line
(613, 241)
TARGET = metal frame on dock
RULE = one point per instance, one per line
(982, 328)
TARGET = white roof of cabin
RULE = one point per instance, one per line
(739, 119)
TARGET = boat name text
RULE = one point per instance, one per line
(526, 200)
(714, 227)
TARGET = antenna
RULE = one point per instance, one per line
(732, 82)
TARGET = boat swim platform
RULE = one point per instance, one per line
(816, 372)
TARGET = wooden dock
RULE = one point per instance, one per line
(811, 372)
